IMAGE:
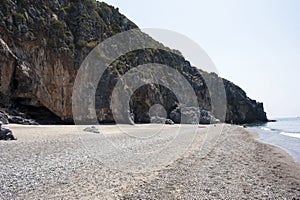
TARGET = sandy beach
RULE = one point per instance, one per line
(220, 162)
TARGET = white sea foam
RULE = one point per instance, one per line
(295, 135)
(265, 128)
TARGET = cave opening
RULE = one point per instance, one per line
(41, 114)
(152, 100)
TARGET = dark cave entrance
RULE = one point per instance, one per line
(150, 96)
(41, 114)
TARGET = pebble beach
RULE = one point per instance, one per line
(226, 162)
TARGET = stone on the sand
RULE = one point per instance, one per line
(161, 120)
(21, 120)
(192, 115)
(91, 129)
(3, 118)
(6, 134)
(169, 121)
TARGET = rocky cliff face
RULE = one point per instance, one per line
(43, 43)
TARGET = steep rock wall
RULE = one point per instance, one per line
(43, 43)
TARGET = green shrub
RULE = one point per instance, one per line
(72, 46)
(115, 71)
(4, 3)
(82, 43)
(19, 17)
(89, 3)
(92, 44)
(22, 3)
(63, 10)
(58, 25)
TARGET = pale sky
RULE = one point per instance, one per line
(253, 43)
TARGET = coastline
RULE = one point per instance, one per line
(49, 162)
(274, 147)
(287, 144)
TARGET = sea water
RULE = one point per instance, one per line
(284, 133)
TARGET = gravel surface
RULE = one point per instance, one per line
(144, 162)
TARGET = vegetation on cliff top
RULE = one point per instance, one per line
(68, 24)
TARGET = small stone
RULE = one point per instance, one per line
(91, 129)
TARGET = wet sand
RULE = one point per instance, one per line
(220, 162)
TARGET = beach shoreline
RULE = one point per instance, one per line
(284, 151)
(50, 162)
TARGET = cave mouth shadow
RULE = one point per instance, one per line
(39, 114)
(149, 96)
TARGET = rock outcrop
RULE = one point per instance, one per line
(205, 117)
(3, 118)
(16, 117)
(43, 43)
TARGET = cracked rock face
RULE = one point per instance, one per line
(43, 43)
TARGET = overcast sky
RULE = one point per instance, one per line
(253, 43)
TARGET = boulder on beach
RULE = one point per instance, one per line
(91, 129)
(5, 133)
(161, 120)
(192, 115)
(3, 118)
(21, 120)
(169, 121)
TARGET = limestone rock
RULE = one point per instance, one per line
(169, 121)
(20, 120)
(91, 129)
(43, 43)
(194, 115)
(3, 117)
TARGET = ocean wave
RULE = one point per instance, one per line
(295, 135)
(265, 128)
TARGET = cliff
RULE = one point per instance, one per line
(43, 43)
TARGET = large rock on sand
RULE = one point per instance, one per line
(3, 118)
(190, 114)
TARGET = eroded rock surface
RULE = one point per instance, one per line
(43, 43)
